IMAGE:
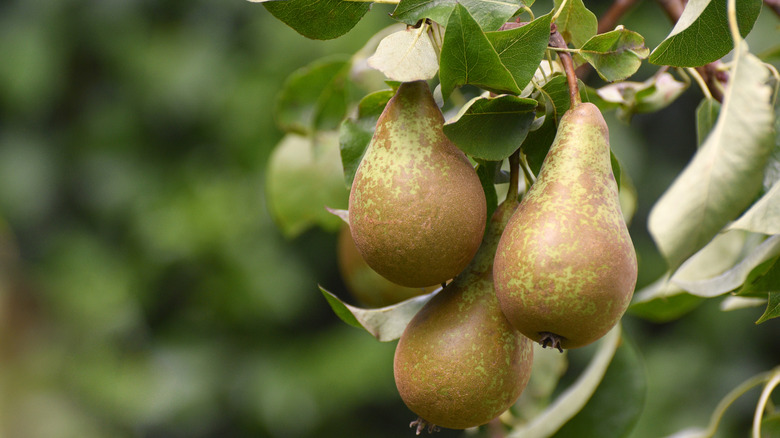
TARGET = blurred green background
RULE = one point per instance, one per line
(145, 290)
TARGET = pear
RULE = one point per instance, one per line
(459, 363)
(368, 287)
(417, 211)
(565, 268)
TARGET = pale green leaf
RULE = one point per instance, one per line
(615, 55)
(706, 116)
(574, 398)
(546, 371)
(732, 303)
(652, 95)
(726, 172)
(702, 35)
(575, 22)
(385, 323)
(406, 56)
(664, 300)
(492, 128)
(304, 177)
(735, 276)
(763, 216)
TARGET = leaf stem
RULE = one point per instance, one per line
(558, 12)
(731, 9)
(529, 176)
(699, 80)
(557, 41)
(770, 386)
(730, 398)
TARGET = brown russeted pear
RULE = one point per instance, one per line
(565, 268)
(368, 287)
(459, 363)
(417, 211)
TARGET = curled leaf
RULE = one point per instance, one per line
(406, 56)
(384, 323)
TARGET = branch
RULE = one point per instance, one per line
(557, 41)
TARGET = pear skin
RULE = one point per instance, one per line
(565, 268)
(459, 362)
(368, 287)
(417, 211)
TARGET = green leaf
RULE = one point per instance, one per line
(492, 128)
(406, 56)
(303, 177)
(735, 276)
(764, 216)
(576, 23)
(772, 308)
(702, 34)
(574, 398)
(522, 49)
(615, 407)
(762, 280)
(664, 300)
(486, 171)
(490, 15)
(615, 55)
(706, 115)
(467, 57)
(314, 97)
(318, 19)
(355, 134)
(385, 323)
(726, 172)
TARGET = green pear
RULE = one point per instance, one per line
(417, 211)
(459, 363)
(368, 287)
(565, 268)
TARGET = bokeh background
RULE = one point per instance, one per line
(145, 290)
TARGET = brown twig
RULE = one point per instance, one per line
(774, 5)
(612, 16)
(557, 41)
(514, 175)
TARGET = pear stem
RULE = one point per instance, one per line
(514, 175)
(557, 41)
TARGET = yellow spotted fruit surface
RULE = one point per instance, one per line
(565, 265)
(417, 211)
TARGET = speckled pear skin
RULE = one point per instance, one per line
(566, 264)
(459, 363)
(417, 211)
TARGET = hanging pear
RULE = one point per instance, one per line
(417, 211)
(565, 268)
(459, 363)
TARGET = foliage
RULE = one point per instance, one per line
(158, 278)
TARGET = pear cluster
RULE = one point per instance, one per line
(558, 267)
